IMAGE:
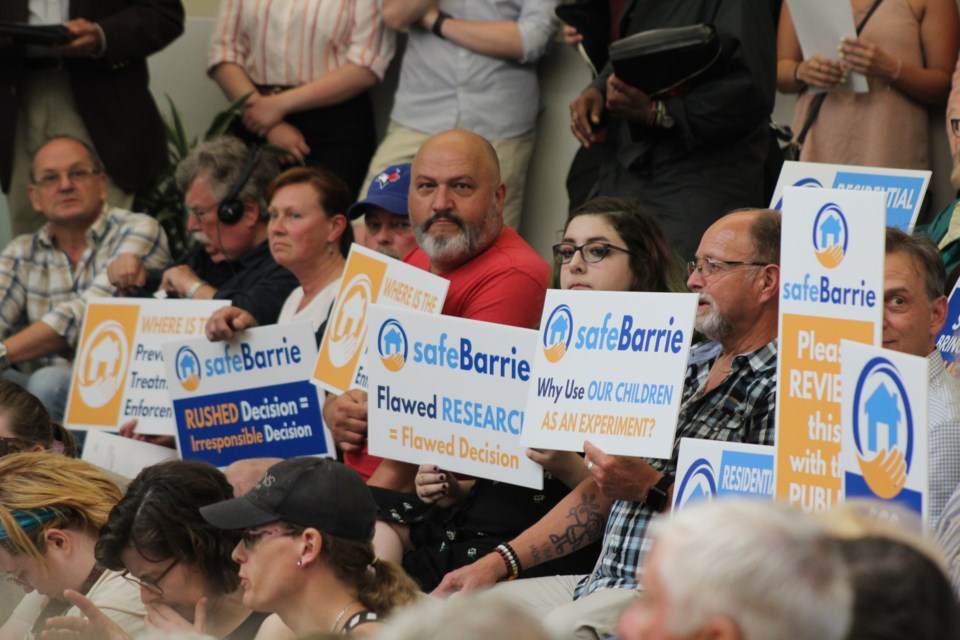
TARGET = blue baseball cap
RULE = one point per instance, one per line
(387, 191)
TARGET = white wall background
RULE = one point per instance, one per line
(179, 72)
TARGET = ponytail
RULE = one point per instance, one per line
(381, 586)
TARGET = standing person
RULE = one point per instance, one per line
(305, 552)
(309, 235)
(695, 153)
(51, 511)
(470, 64)
(308, 66)
(94, 88)
(608, 244)
(907, 50)
(46, 277)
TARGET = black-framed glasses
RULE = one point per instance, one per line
(591, 252)
(251, 537)
(707, 266)
(150, 584)
(51, 179)
(955, 126)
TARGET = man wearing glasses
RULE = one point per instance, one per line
(231, 259)
(728, 395)
(46, 276)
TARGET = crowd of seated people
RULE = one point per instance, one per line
(316, 547)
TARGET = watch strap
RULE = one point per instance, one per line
(438, 24)
(657, 496)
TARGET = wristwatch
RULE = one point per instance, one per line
(657, 496)
(438, 24)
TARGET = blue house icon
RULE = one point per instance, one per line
(830, 230)
(882, 409)
(558, 329)
(392, 342)
(188, 367)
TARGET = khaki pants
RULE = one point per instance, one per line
(401, 143)
(45, 109)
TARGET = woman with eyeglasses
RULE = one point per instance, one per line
(51, 510)
(608, 244)
(305, 552)
(179, 563)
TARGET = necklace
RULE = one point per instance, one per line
(729, 363)
(342, 613)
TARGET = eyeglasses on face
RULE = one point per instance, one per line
(51, 179)
(15, 579)
(251, 537)
(707, 266)
(591, 252)
(150, 584)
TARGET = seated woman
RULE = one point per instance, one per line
(25, 424)
(305, 552)
(608, 244)
(180, 562)
(51, 510)
(309, 234)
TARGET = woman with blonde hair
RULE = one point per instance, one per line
(306, 552)
(51, 510)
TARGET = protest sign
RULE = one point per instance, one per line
(831, 289)
(451, 392)
(903, 188)
(609, 368)
(819, 25)
(713, 468)
(118, 373)
(369, 278)
(249, 397)
(948, 340)
(885, 454)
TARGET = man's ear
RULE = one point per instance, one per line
(252, 214)
(769, 278)
(938, 315)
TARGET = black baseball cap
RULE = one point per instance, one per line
(310, 492)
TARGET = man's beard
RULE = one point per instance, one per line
(460, 247)
(713, 325)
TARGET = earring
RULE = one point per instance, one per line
(299, 563)
(329, 249)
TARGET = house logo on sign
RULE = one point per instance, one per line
(558, 333)
(187, 366)
(392, 345)
(102, 365)
(830, 236)
(699, 483)
(349, 327)
(883, 428)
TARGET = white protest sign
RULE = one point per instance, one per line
(948, 340)
(820, 24)
(124, 456)
(450, 391)
(885, 454)
(831, 289)
(609, 368)
(712, 468)
(118, 373)
(369, 278)
(904, 188)
(250, 397)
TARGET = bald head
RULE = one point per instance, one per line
(456, 198)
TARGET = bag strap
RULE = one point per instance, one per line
(817, 102)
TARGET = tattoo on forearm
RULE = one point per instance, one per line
(587, 526)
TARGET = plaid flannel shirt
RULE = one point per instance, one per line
(740, 409)
(38, 283)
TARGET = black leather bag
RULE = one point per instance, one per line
(663, 60)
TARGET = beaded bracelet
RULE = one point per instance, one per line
(510, 559)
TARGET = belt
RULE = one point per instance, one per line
(43, 63)
(272, 89)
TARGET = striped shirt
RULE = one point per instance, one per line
(292, 42)
(948, 537)
(943, 416)
(740, 409)
(38, 283)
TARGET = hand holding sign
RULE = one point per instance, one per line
(226, 322)
(886, 474)
(346, 417)
(435, 486)
(620, 477)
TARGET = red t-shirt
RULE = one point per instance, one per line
(505, 284)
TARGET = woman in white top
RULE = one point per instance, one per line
(51, 510)
(309, 235)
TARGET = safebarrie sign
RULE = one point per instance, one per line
(247, 398)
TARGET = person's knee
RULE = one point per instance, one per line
(51, 385)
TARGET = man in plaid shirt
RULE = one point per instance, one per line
(46, 277)
(728, 395)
